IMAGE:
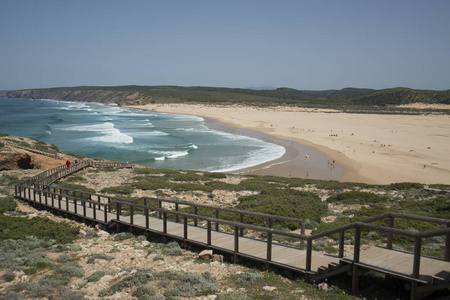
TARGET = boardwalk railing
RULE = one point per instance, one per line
(34, 150)
(143, 212)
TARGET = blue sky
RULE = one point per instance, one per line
(311, 45)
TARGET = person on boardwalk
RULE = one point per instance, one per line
(68, 163)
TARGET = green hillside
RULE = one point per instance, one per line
(347, 99)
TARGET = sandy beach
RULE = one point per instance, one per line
(375, 149)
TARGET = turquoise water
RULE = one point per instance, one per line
(160, 140)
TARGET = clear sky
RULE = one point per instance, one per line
(311, 45)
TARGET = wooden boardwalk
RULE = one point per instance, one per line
(424, 274)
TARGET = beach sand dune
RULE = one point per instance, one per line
(376, 149)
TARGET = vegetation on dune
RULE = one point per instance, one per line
(347, 99)
(43, 228)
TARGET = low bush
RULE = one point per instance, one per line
(65, 257)
(248, 278)
(70, 270)
(118, 190)
(233, 296)
(22, 254)
(144, 292)
(93, 257)
(96, 276)
(139, 278)
(171, 249)
(404, 186)
(123, 236)
(7, 204)
(356, 197)
(43, 228)
(284, 202)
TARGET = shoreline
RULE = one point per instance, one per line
(291, 164)
(373, 149)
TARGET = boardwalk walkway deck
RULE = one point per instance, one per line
(425, 274)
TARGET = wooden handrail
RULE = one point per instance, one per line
(40, 185)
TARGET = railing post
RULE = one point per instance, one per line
(303, 231)
(355, 277)
(217, 216)
(105, 211)
(146, 218)
(131, 214)
(164, 225)
(84, 207)
(417, 253)
(160, 206)
(236, 244)
(341, 243)
(74, 202)
(208, 238)
(185, 235)
(118, 210)
(177, 218)
(241, 220)
(389, 237)
(416, 266)
(94, 212)
(308, 254)
(269, 246)
(447, 245)
(195, 213)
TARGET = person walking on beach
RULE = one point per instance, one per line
(68, 163)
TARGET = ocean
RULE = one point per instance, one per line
(160, 140)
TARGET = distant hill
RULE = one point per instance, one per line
(347, 99)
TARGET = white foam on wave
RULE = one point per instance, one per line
(268, 152)
(150, 133)
(169, 154)
(110, 134)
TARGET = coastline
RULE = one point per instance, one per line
(374, 149)
(292, 163)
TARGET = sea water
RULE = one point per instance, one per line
(168, 141)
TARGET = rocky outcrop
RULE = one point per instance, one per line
(15, 161)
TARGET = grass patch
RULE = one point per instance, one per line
(118, 190)
(7, 204)
(42, 228)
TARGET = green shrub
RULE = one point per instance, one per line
(215, 175)
(29, 252)
(233, 296)
(118, 190)
(193, 285)
(137, 279)
(145, 291)
(356, 197)
(92, 259)
(284, 202)
(123, 236)
(8, 277)
(65, 257)
(171, 249)
(96, 276)
(43, 228)
(188, 176)
(75, 178)
(70, 270)
(7, 204)
(404, 186)
(248, 278)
